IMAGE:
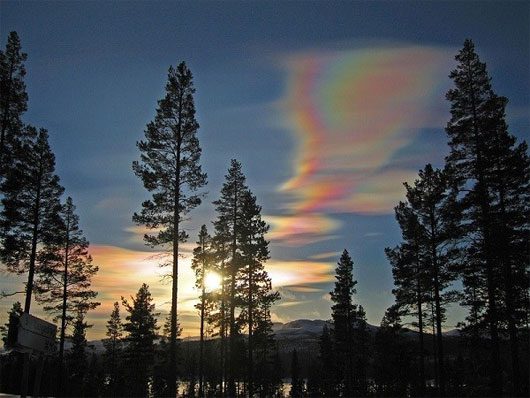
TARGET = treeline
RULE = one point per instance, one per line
(464, 225)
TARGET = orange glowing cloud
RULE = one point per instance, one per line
(122, 271)
(289, 273)
(351, 111)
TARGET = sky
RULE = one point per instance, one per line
(329, 106)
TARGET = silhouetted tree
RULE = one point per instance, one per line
(255, 289)
(392, 356)
(94, 380)
(297, 383)
(76, 357)
(170, 168)
(411, 278)
(265, 351)
(29, 216)
(141, 334)
(114, 350)
(13, 100)
(66, 270)
(491, 175)
(344, 314)
(228, 230)
(433, 206)
(12, 316)
(202, 258)
(329, 377)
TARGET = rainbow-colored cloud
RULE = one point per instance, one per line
(351, 111)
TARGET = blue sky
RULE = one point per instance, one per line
(297, 91)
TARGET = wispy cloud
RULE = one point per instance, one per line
(327, 255)
(299, 272)
(351, 111)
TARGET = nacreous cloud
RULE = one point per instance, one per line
(351, 112)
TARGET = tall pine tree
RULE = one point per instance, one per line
(432, 204)
(170, 169)
(490, 173)
(13, 99)
(65, 275)
(228, 229)
(201, 262)
(77, 358)
(344, 314)
(30, 214)
(114, 350)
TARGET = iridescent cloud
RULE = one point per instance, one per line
(351, 111)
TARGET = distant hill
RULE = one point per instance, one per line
(302, 334)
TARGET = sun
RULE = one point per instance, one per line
(212, 281)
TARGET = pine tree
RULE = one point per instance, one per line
(201, 262)
(392, 356)
(170, 169)
(264, 345)
(141, 334)
(77, 356)
(256, 286)
(432, 203)
(228, 230)
(344, 314)
(329, 376)
(13, 99)
(30, 213)
(66, 271)
(12, 316)
(94, 380)
(491, 175)
(297, 383)
(412, 279)
(114, 349)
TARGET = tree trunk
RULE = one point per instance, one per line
(63, 314)
(201, 347)
(172, 388)
(34, 240)
(231, 377)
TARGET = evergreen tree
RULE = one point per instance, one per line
(30, 213)
(490, 173)
(94, 380)
(392, 356)
(141, 334)
(255, 288)
(13, 99)
(361, 341)
(114, 350)
(66, 271)
(297, 383)
(344, 314)
(12, 317)
(77, 356)
(170, 169)
(433, 207)
(228, 231)
(411, 278)
(329, 377)
(202, 258)
(268, 381)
